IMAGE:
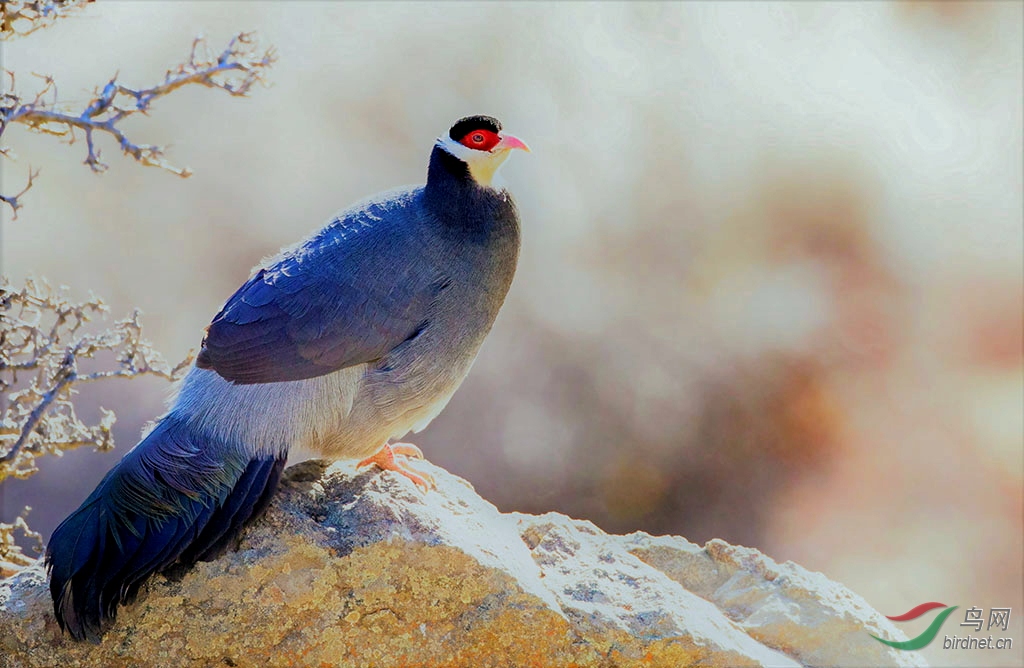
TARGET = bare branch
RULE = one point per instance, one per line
(23, 17)
(12, 558)
(14, 201)
(41, 337)
(234, 70)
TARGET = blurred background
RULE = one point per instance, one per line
(770, 288)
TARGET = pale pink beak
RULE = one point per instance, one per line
(509, 142)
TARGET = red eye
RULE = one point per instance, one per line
(481, 140)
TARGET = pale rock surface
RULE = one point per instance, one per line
(363, 569)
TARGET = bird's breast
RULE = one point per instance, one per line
(411, 384)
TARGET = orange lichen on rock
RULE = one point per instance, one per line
(361, 569)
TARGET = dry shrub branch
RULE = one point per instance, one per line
(235, 70)
(23, 17)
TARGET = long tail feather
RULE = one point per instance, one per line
(240, 508)
(175, 498)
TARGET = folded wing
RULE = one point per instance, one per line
(347, 296)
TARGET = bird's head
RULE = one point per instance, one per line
(479, 142)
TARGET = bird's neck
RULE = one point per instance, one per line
(460, 203)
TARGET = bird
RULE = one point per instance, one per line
(340, 345)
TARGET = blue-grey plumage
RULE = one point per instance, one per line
(349, 339)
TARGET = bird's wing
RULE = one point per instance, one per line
(349, 295)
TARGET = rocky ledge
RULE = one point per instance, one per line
(363, 569)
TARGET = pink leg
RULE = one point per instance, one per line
(386, 460)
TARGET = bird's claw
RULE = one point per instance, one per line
(406, 449)
(386, 459)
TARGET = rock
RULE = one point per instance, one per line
(363, 569)
(816, 621)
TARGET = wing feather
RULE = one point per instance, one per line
(348, 295)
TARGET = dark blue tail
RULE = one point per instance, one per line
(176, 498)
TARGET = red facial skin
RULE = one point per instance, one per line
(480, 140)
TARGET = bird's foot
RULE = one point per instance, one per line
(386, 460)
